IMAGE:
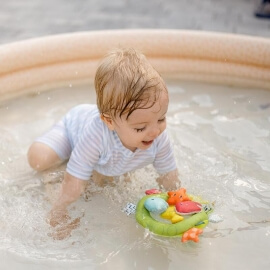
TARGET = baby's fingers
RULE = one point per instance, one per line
(63, 231)
(58, 217)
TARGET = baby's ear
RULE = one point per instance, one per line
(107, 120)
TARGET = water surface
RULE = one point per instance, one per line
(221, 138)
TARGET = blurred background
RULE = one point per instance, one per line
(24, 19)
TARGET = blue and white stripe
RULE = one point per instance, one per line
(92, 146)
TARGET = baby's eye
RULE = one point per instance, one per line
(162, 120)
(139, 129)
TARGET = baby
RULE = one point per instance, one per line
(125, 131)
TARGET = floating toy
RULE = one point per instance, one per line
(177, 196)
(171, 215)
(188, 208)
(192, 234)
(215, 218)
(156, 205)
(152, 191)
(178, 225)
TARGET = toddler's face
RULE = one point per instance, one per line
(143, 126)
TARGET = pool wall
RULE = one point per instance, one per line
(228, 59)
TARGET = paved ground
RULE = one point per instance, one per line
(23, 19)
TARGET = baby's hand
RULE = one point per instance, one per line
(58, 217)
(169, 181)
(71, 190)
(62, 223)
(64, 230)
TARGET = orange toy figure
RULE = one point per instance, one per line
(177, 196)
(192, 234)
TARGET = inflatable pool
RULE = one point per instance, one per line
(31, 68)
(187, 55)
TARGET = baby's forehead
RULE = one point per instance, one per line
(158, 108)
(151, 101)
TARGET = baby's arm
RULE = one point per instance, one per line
(165, 164)
(71, 190)
(169, 181)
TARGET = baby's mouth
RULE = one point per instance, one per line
(147, 142)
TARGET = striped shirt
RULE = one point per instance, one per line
(95, 147)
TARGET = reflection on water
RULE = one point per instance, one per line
(221, 137)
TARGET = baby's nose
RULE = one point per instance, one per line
(154, 132)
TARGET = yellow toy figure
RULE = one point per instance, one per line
(171, 215)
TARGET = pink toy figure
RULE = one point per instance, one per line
(152, 191)
(188, 208)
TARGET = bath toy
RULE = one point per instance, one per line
(177, 196)
(130, 208)
(144, 217)
(188, 207)
(192, 234)
(215, 218)
(156, 205)
(152, 191)
(171, 215)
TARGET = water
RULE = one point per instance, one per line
(221, 137)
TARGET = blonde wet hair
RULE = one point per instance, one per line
(126, 81)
